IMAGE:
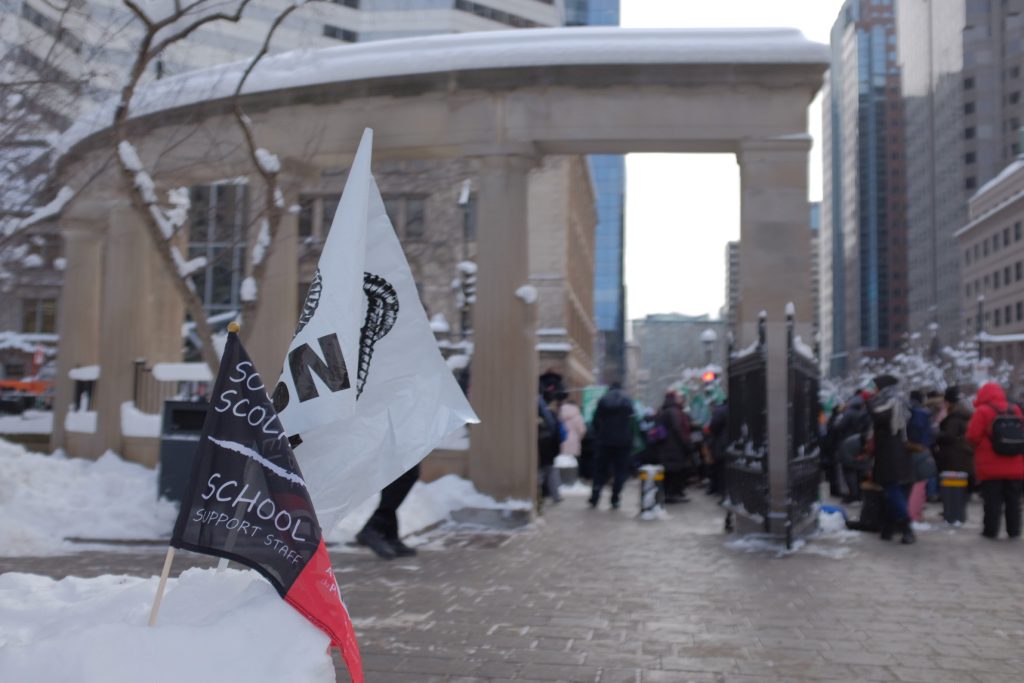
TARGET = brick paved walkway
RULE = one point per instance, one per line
(599, 596)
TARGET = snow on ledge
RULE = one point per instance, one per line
(182, 372)
(136, 423)
(576, 46)
(86, 373)
(82, 421)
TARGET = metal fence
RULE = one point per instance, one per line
(747, 472)
(746, 468)
(804, 466)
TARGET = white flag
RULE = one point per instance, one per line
(401, 399)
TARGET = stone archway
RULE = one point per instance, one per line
(505, 99)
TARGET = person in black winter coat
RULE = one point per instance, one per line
(952, 452)
(894, 466)
(718, 434)
(612, 427)
(675, 452)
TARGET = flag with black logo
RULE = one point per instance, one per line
(361, 420)
(249, 502)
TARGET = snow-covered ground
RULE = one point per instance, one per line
(213, 626)
(46, 499)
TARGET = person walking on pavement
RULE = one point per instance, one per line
(675, 451)
(1000, 477)
(380, 533)
(613, 433)
(894, 467)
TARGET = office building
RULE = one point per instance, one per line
(863, 233)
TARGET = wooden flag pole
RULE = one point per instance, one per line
(233, 326)
(160, 588)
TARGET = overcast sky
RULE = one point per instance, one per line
(681, 209)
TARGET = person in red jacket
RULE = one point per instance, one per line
(1000, 477)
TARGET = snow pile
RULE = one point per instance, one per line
(224, 626)
(427, 505)
(29, 422)
(47, 498)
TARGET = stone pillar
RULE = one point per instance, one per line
(78, 323)
(503, 391)
(270, 331)
(775, 269)
(125, 319)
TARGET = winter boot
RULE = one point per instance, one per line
(908, 537)
(886, 531)
(376, 542)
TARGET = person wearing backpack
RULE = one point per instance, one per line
(998, 459)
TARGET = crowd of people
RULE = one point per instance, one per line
(894, 451)
(619, 440)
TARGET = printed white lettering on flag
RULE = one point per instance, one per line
(406, 400)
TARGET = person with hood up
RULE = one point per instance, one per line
(894, 467)
(613, 431)
(954, 457)
(1000, 477)
(675, 452)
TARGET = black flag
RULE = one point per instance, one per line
(248, 502)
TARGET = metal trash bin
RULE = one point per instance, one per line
(953, 489)
(652, 490)
(179, 439)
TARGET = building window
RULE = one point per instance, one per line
(969, 133)
(1014, 72)
(354, 4)
(408, 216)
(976, 254)
(1014, 97)
(967, 291)
(1006, 314)
(986, 281)
(1020, 310)
(1006, 275)
(970, 183)
(967, 257)
(39, 315)
(1016, 231)
(1006, 237)
(969, 107)
(995, 243)
(968, 83)
(969, 158)
(494, 14)
(996, 315)
(1017, 270)
(984, 248)
(219, 221)
(306, 206)
(342, 34)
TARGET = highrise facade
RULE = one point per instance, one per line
(962, 84)
(609, 174)
(863, 233)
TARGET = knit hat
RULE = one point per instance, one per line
(952, 394)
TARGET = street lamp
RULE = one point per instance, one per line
(708, 338)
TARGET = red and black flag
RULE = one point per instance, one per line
(248, 502)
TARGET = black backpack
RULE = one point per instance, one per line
(1008, 434)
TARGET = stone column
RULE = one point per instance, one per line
(503, 391)
(78, 321)
(775, 270)
(270, 331)
(125, 319)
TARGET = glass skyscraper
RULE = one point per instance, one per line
(609, 175)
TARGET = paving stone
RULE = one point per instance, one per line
(596, 597)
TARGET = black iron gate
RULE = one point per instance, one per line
(747, 472)
(746, 467)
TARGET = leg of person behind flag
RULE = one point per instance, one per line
(380, 533)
